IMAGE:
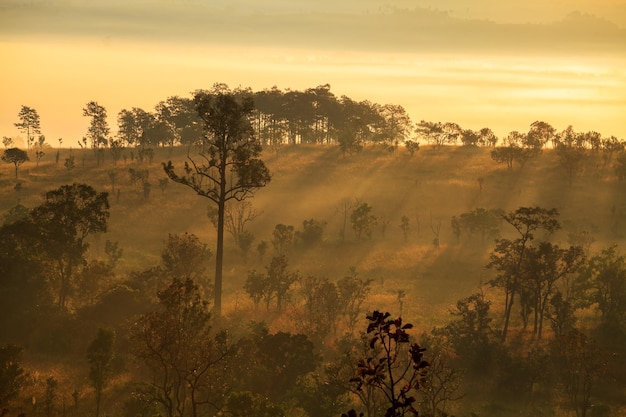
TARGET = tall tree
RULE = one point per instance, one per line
(98, 130)
(29, 124)
(100, 355)
(229, 167)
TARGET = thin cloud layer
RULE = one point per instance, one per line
(389, 29)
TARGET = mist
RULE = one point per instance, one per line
(427, 194)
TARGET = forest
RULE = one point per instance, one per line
(294, 253)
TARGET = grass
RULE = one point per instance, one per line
(311, 182)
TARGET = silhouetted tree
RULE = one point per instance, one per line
(603, 279)
(15, 156)
(282, 238)
(483, 221)
(68, 215)
(311, 233)
(470, 333)
(543, 266)
(540, 134)
(411, 146)
(508, 255)
(395, 367)
(230, 168)
(362, 220)
(29, 124)
(98, 131)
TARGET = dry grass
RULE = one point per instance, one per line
(311, 181)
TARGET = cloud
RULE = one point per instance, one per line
(385, 29)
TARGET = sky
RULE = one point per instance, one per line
(480, 63)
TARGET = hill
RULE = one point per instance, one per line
(418, 272)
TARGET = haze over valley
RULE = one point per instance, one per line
(312, 209)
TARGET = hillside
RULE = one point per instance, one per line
(311, 182)
(420, 276)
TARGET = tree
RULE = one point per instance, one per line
(580, 364)
(362, 220)
(604, 281)
(506, 154)
(282, 238)
(236, 215)
(257, 287)
(7, 141)
(438, 133)
(611, 146)
(345, 206)
(320, 308)
(509, 255)
(349, 142)
(100, 355)
(29, 124)
(543, 266)
(230, 167)
(15, 156)
(98, 130)
(395, 367)
(412, 147)
(571, 158)
(483, 221)
(280, 279)
(352, 292)
(282, 358)
(396, 124)
(442, 381)
(470, 137)
(470, 334)
(311, 234)
(177, 345)
(487, 137)
(39, 153)
(68, 215)
(540, 133)
(405, 226)
(12, 375)
(185, 257)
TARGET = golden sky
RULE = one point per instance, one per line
(479, 63)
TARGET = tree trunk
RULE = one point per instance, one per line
(219, 259)
(507, 315)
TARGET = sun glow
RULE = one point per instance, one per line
(502, 92)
